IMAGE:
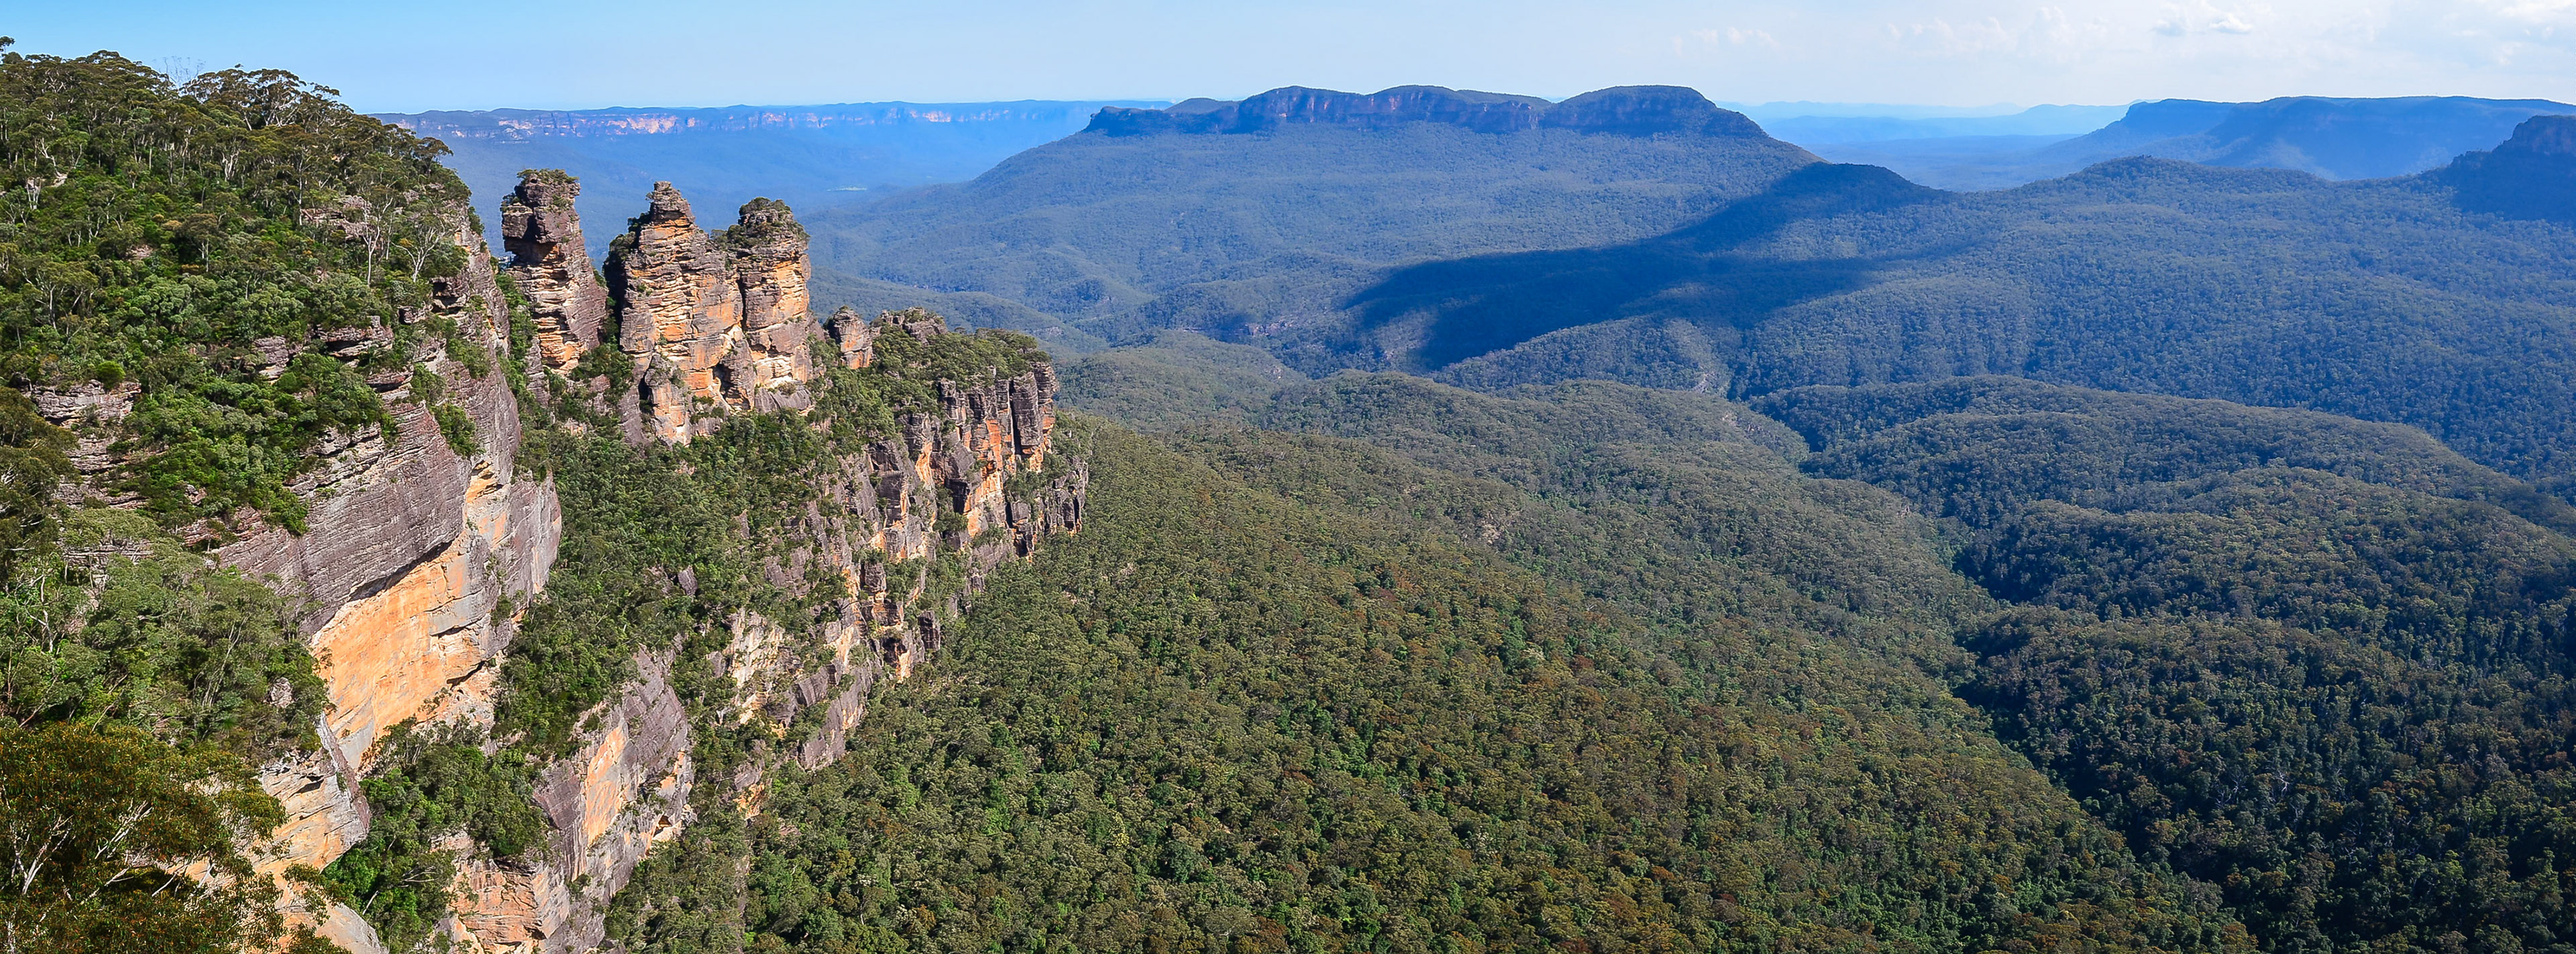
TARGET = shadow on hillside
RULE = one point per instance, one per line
(1492, 302)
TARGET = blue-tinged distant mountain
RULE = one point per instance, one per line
(812, 157)
(1285, 203)
(2445, 300)
(2531, 176)
(2328, 137)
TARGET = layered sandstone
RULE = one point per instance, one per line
(985, 452)
(547, 259)
(624, 790)
(852, 336)
(713, 323)
(408, 550)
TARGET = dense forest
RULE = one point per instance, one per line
(1226, 718)
(2382, 300)
(2313, 666)
(2323, 665)
(1109, 236)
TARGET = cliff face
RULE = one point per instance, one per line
(606, 805)
(414, 555)
(2530, 176)
(884, 506)
(408, 549)
(712, 322)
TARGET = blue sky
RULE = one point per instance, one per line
(579, 53)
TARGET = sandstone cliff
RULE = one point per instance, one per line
(408, 549)
(418, 558)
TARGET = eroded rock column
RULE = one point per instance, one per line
(552, 267)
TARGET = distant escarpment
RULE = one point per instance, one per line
(1625, 110)
(1262, 218)
(2530, 176)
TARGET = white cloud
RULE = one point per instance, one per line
(2205, 17)
(1736, 36)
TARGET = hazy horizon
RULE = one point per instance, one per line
(1951, 54)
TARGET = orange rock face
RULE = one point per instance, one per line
(413, 549)
(409, 548)
(712, 322)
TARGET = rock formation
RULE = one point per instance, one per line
(626, 787)
(543, 235)
(2530, 176)
(606, 805)
(854, 335)
(712, 322)
(417, 545)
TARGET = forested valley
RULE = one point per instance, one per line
(1743, 554)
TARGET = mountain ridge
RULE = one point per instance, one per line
(1629, 110)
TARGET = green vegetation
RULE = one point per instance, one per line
(955, 357)
(2381, 299)
(1370, 662)
(1218, 232)
(96, 825)
(432, 785)
(1184, 378)
(133, 629)
(2309, 661)
(32, 462)
(716, 509)
(2316, 668)
(456, 428)
(236, 258)
(1219, 718)
(1738, 266)
(163, 234)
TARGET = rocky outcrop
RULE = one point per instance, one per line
(1622, 110)
(853, 336)
(414, 552)
(768, 257)
(606, 805)
(712, 322)
(978, 474)
(1647, 111)
(2530, 176)
(547, 259)
(986, 456)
